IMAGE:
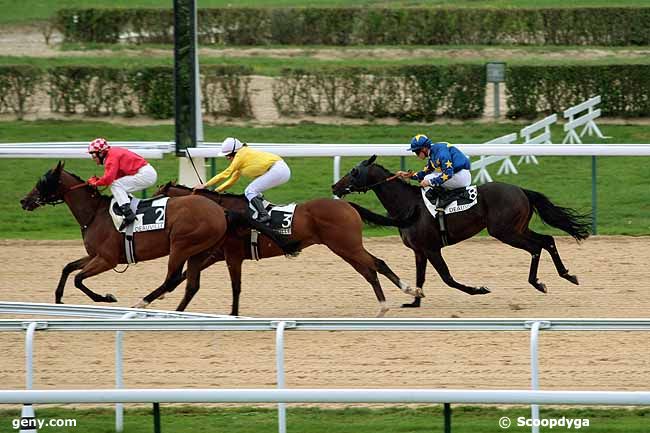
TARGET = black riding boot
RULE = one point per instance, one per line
(262, 214)
(129, 216)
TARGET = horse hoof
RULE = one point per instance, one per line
(414, 304)
(572, 278)
(541, 287)
(482, 291)
(110, 298)
(382, 312)
(141, 304)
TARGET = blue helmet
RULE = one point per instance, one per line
(418, 142)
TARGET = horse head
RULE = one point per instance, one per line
(362, 178)
(47, 190)
(51, 188)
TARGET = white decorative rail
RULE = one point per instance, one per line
(586, 119)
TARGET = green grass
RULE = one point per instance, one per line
(623, 195)
(36, 10)
(123, 57)
(465, 419)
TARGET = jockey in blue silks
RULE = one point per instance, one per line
(447, 167)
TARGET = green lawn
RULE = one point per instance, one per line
(465, 419)
(623, 194)
(34, 10)
(123, 57)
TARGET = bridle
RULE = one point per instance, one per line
(365, 188)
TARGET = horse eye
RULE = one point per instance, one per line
(354, 171)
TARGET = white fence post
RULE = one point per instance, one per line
(586, 119)
(506, 168)
(27, 412)
(119, 382)
(545, 137)
(279, 366)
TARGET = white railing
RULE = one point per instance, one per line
(507, 166)
(586, 119)
(464, 396)
(280, 325)
(531, 136)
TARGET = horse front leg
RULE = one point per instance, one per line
(420, 274)
(435, 257)
(234, 269)
(95, 266)
(67, 270)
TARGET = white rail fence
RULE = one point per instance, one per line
(586, 119)
(533, 326)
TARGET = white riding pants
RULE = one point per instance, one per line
(459, 180)
(278, 174)
(143, 179)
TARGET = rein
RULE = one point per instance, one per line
(388, 179)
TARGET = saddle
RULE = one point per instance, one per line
(281, 216)
(281, 222)
(150, 215)
(441, 202)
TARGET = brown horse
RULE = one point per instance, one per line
(333, 223)
(194, 229)
(505, 210)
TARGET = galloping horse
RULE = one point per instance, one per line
(194, 229)
(333, 223)
(505, 210)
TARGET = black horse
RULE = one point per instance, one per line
(505, 210)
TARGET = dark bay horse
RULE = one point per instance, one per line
(194, 229)
(333, 223)
(505, 210)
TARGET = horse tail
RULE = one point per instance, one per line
(566, 219)
(369, 217)
(238, 219)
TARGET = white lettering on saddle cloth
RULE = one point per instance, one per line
(282, 218)
(150, 214)
(454, 206)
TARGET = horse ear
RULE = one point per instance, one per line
(59, 166)
(372, 159)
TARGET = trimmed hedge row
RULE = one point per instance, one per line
(408, 93)
(531, 90)
(421, 92)
(100, 91)
(366, 26)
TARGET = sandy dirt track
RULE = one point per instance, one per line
(612, 270)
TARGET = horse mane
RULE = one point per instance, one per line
(205, 191)
(411, 208)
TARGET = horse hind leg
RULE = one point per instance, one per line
(167, 286)
(383, 269)
(548, 243)
(526, 241)
(193, 280)
(371, 276)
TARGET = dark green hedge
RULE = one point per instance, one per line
(367, 26)
(18, 86)
(409, 93)
(101, 91)
(419, 92)
(531, 90)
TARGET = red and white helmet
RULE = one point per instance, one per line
(98, 145)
